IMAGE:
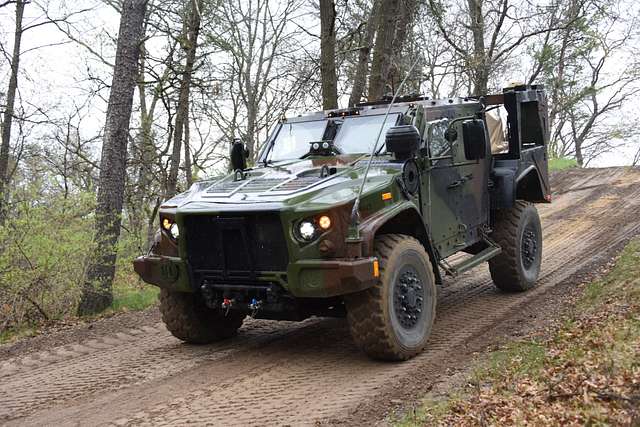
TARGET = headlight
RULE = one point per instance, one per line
(307, 230)
(175, 231)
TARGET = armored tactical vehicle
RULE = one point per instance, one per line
(358, 212)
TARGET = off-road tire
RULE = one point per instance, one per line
(512, 270)
(371, 314)
(190, 320)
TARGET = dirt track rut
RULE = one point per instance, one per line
(300, 373)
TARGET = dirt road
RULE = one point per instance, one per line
(309, 372)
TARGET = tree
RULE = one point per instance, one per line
(383, 48)
(261, 71)
(190, 44)
(97, 294)
(587, 93)
(9, 107)
(364, 55)
(328, 54)
(485, 34)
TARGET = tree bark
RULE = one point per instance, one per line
(187, 152)
(328, 54)
(191, 43)
(97, 290)
(480, 66)
(383, 49)
(9, 109)
(364, 55)
(406, 18)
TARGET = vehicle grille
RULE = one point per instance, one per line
(235, 247)
(261, 185)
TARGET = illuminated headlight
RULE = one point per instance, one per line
(174, 231)
(307, 230)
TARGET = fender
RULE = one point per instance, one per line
(403, 218)
(530, 187)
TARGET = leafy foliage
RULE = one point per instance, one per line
(44, 250)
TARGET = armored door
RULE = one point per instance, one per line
(452, 192)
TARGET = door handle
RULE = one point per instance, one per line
(460, 182)
(455, 184)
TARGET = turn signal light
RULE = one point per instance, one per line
(376, 268)
(166, 224)
(387, 196)
(324, 222)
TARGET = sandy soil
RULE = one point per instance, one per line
(130, 370)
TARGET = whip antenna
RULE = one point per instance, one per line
(354, 233)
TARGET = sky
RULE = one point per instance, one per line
(54, 70)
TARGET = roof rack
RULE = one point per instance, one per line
(387, 99)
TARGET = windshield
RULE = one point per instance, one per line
(292, 141)
(358, 134)
(355, 135)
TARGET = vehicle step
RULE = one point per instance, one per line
(471, 262)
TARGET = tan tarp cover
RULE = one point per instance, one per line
(496, 133)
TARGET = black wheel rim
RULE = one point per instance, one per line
(529, 249)
(408, 296)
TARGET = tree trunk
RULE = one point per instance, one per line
(191, 43)
(328, 54)
(9, 109)
(405, 21)
(187, 152)
(479, 66)
(383, 49)
(96, 292)
(579, 155)
(364, 54)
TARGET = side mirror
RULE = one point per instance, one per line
(239, 155)
(475, 141)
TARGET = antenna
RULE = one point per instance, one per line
(354, 233)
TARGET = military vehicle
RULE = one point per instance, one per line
(359, 212)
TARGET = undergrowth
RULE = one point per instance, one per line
(586, 372)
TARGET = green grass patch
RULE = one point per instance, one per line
(134, 297)
(581, 374)
(561, 163)
(13, 334)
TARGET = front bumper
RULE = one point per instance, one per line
(305, 279)
(323, 279)
(165, 272)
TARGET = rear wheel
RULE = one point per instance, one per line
(393, 319)
(519, 233)
(189, 319)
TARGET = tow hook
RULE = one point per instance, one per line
(226, 305)
(254, 306)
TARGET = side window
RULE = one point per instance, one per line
(531, 125)
(438, 145)
(496, 126)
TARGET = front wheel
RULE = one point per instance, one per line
(189, 319)
(393, 319)
(519, 234)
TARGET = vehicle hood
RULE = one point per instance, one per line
(307, 184)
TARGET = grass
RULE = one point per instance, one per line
(585, 372)
(134, 297)
(12, 334)
(130, 295)
(558, 164)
